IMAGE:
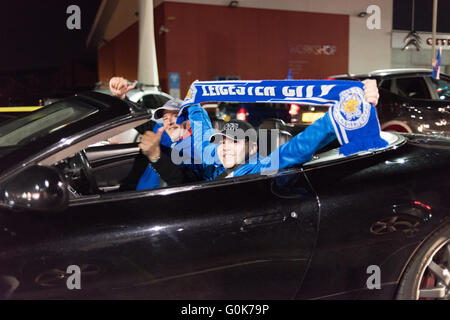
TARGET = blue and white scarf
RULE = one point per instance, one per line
(354, 120)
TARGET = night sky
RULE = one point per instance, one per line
(423, 15)
(33, 34)
(40, 57)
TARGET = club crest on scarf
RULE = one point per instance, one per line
(190, 96)
(352, 111)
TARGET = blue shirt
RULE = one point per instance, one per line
(298, 150)
(188, 151)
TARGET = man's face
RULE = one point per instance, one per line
(232, 152)
(174, 130)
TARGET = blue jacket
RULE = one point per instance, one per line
(188, 150)
(150, 178)
(298, 150)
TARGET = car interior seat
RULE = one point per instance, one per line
(217, 123)
(271, 135)
(267, 144)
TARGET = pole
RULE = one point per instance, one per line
(433, 37)
(148, 67)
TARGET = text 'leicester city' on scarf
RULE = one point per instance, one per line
(354, 120)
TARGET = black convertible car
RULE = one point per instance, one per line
(374, 225)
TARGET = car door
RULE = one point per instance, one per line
(376, 209)
(412, 87)
(116, 165)
(244, 238)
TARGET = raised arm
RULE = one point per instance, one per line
(201, 150)
(298, 150)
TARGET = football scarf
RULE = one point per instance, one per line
(354, 120)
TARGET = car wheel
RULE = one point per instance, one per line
(427, 276)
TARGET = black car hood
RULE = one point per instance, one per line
(110, 110)
(4, 151)
(437, 141)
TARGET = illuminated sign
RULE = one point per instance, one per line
(442, 40)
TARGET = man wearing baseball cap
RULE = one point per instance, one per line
(238, 152)
(172, 131)
(236, 146)
(171, 105)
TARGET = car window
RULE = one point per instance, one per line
(77, 168)
(89, 142)
(386, 84)
(129, 136)
(415, 88)
(442, 88)
(153, 101)
(43, 122)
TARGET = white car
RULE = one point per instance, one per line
(149, 96)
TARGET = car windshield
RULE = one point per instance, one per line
(442, 87)
(42, 122)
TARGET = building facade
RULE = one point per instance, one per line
(209, 40)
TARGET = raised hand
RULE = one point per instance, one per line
(150, 142)
(119, 87)
(371, 91)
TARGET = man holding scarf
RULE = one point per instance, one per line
(238, 154)
(175, 135)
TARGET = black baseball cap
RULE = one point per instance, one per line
(173, 104)
(235, 130)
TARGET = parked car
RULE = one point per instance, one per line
(61, 210)
(411, 100)
(148, 96)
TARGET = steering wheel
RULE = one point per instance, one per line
(87, 170)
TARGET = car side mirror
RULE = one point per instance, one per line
(36, 188)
